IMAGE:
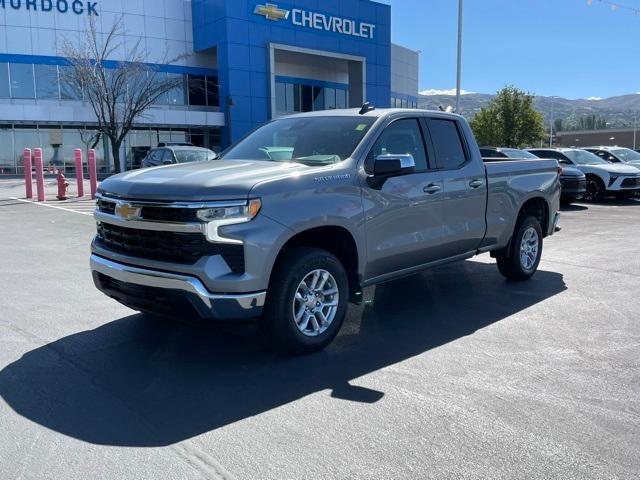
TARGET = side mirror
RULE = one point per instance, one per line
(394, 163)
(215, 156)
(167, 162)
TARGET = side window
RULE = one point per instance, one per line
(550, 155)
(155, 157)
(447, 144)
(487, 153)
(167, 156)
(402, 137)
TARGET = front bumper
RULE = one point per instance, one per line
(171, 293)
(624, 183)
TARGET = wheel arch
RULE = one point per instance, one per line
(335, 239)
(538, 207)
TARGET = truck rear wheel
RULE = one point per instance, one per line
(520, 261)
(306, 301)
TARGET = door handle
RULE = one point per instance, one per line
(431, 189)
(477, 183)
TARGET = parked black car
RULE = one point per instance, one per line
(573, 181)
(177, 154)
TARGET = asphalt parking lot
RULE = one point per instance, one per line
(454, 373)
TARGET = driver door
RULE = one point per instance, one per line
(403, 212)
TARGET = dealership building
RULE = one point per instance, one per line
(257, 60)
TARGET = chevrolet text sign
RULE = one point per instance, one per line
(78, 7)
(317, 21)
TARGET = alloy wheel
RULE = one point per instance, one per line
(529, 247)
(593, 190)
(315, 303)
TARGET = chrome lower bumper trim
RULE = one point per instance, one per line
(208, 305)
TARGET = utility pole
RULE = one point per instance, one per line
(551, 127)
(553, 100)
(459, 74)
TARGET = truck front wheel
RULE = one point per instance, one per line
(520, 261)
(306, 301)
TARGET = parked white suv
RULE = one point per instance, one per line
(603, 177)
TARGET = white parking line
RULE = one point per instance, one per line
(90, 214)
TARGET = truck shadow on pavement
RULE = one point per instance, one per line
(138, 381)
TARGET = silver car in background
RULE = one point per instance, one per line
(603, 178)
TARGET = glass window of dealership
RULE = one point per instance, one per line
(241, 64)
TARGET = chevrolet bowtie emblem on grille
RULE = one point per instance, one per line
(128, 211)
(271, 12)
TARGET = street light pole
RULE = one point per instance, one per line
(459, 74)
(551, 125)
(635, 125)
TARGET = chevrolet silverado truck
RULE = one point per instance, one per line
(293, 221)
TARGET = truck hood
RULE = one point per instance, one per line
(199, 181)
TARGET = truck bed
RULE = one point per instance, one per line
(508, 181)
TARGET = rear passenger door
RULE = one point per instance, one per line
(464, 192)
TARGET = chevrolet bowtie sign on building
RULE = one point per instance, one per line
(271, 12)
(317, 21)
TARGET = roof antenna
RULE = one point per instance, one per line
(366, 107)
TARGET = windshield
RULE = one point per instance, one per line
(515, 153)
(582, 157)
(626, 154)
(187, 156)
(310, 140)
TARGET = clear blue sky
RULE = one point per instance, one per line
(548, 47)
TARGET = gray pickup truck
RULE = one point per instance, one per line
(293, 221)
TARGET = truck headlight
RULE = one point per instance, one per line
(217, 217)
(239, 214)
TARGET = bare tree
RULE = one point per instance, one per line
(121, 91)
(89, 138)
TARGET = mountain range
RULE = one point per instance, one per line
(617, 112)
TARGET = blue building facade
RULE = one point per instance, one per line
(351, 38)
(256, 59)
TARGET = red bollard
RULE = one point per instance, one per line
(93, 173)
(62, 186)
(28, 174)
(79, 172)
(39, 174)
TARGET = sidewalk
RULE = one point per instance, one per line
(15, 188)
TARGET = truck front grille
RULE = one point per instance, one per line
(154, 213)
(173, 247)
(105, 206)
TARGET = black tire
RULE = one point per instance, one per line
(278, 317)
(595, 189)
(510, 262)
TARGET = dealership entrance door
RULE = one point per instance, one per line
(304, 80)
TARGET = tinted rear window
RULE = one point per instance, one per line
(447, 144)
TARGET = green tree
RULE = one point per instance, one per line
(509, 120)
